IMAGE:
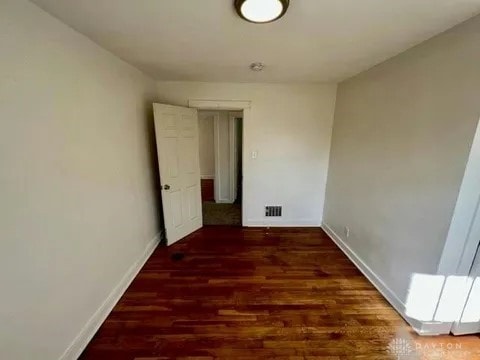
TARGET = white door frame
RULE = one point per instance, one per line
(232, 105)
(463, 238)
(464, 233)
(232, 132)
(469, 321)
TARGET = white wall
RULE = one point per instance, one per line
(77, 182)
(401, 139)
(290, 127)
(206, 144)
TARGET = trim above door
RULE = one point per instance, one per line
(219, 104)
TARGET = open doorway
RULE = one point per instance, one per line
(220, 146)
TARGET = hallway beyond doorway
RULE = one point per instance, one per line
(222, 214)
(220, 151)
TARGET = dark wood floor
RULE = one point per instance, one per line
(259, 294)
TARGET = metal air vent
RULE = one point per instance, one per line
(273, 211)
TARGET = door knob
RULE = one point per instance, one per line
(166, 187)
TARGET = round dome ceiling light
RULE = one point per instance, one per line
(261, 11)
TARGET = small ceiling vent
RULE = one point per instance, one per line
(273, 211)
(257, 66)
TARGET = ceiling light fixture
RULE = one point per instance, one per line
(261, 11)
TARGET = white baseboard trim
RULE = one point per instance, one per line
(207, 177)
(281, 223)
(93, 324)
(465, 328)
(224, 201)
(421, 327)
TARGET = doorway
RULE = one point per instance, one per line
(220, 150)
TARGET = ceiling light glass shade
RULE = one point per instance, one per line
(261, 11)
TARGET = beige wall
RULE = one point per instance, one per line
(401, 139)
(77, 179)
(290, 128)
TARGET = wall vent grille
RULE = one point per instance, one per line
(273, 211)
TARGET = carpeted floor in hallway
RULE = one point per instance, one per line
(222, 214)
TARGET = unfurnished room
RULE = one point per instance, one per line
(239, 179)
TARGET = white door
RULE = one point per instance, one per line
(469, 322)
(176, 130)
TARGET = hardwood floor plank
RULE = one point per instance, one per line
(257, 294)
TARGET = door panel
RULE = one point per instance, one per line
(192, 201)
(172, 156)
(176, 207)
(176, 130)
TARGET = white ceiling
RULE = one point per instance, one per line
(204, 40)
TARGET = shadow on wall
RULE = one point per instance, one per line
(153, 160)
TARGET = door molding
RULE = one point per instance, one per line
(464, 233)
(217, 184)
(219, 104)
(463, 236)
(233, 135)
(232, 147)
